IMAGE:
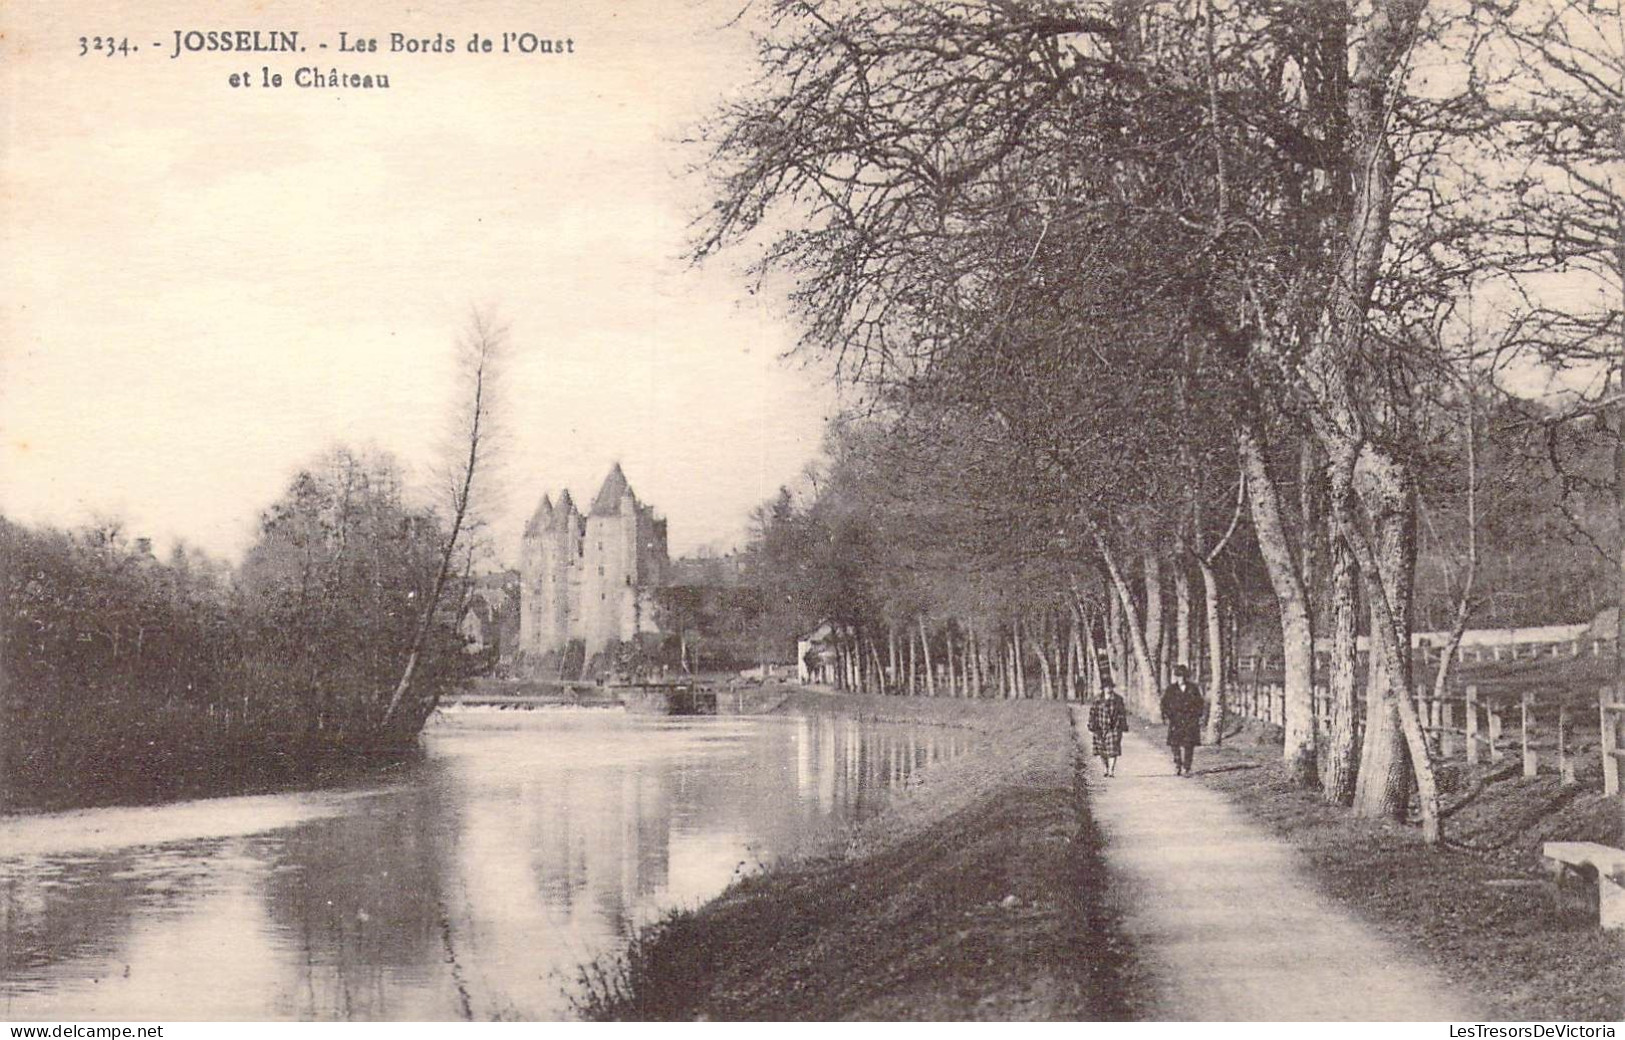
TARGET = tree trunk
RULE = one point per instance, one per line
(973, 662)
(1297, 646)
(967, 650)
(1215, 654)
(1058, 655)
(1007, 670)
(484, 346)
(1091, 659)
(1619, 502)
(1081, 667)
(1116, 650)
(891, 656)
(1340, 753)
(1464, 603)
(925, 650)
(1344, 402)
(1388, 567)
(1155, 635)
(1147, 684)
(1619, 509)
(1018, 656)
(1182, 614)
(1074, 663)
(986, 679)
(1382, 789)
(913, 687)
(1309, 480)
(1046, 676)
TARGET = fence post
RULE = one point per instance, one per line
(1472, 725)
(1447, 723)
(1494, 711)
(1422, 698)
(1531, 765)
(1565, 761)
(1610, 762)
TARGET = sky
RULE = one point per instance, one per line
(205, 286)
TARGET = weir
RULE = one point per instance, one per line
(678, 697)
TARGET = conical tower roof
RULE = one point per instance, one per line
(566, 507)
(542, 518)
(608, 501)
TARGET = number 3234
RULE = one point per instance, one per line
(108, 45)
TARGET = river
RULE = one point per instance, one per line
(472, 883)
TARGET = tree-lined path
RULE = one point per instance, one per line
(1224, 919)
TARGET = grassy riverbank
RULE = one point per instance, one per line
(1480, 907)
(972, 896)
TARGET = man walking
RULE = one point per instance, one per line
(1184, 710)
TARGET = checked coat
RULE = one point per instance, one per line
(1107, 721)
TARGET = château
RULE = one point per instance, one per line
(590, 577)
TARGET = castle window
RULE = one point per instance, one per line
(600, 570)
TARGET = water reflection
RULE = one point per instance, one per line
(525, 844)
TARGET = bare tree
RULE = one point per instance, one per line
(1558, 101)
(480, 353)
(1205, 558)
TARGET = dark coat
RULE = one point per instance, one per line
(1107, 721)
(1184, 710)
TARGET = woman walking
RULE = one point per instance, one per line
(1108, 720)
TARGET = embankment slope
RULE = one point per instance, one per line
(972, 896)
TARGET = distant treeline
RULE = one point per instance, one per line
(129, 678)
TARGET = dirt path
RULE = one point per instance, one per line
(1225, 922)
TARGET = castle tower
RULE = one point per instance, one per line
(609, 574)
(564, 572)
(591, 577)
(549, 564)
(531, 578)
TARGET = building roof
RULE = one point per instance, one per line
(615, 488)
(542, 517)
(1605, 625)
(566, 505)
(821, 634)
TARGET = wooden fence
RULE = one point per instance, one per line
(1475, 727)
(1477, 653)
